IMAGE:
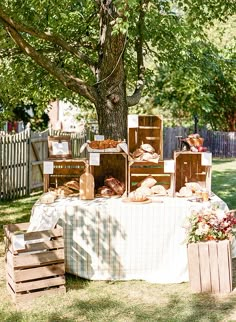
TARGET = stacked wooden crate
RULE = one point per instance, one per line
(139, 170)
(64, 170)
(111, 164)
(36, 267)
(149, 130)
(190, 168)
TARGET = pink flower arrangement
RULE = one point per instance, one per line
(210, 224)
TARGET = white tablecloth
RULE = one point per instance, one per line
(107, 239)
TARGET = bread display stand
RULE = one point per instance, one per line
(193, 167)
(111, 164)
(62, 171)
(139, 170)
(145, 129)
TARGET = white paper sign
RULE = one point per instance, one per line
(94, 158)
(206, 159)
(60, 148)
(132, 121)
(19, 242)
(48, 167)
(124, 147)
(98, 137)
(169, 166)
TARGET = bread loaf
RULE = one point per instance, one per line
(105, 191)
(115, 185)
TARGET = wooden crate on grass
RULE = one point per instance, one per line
(210, 266)
(64, 170)
(191, 168)
(34, 262)
(139, 170)
(148, 129)
(111, 164)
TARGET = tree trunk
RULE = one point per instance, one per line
(111, 103)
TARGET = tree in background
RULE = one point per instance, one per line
(96, 49)
(202, 82)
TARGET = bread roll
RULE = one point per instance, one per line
(148, 182)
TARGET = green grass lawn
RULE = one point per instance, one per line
(121, 301)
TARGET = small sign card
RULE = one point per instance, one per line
(48, 167)
(169, 166)
(18, 242)
(94, 159)
(206, 159)
(132, 121)
(98, 137)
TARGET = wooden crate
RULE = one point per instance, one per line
(149, 130)
(114, 164)
(189, 168)
(210, 266)
(139, 170)
(64, 170)
(39, 268)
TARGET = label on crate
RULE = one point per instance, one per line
(206, 159)
(133, 121)
(94, 158)
(169, 166)
(48, 167)
(98, 137)
(18, 242)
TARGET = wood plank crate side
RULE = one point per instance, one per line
(149, 130)
(210, 267)
(189, 169)
(64, 170)
(35, 273)
(22, 298)
(113, 164)
(139, 170)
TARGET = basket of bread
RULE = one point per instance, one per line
(103, 146)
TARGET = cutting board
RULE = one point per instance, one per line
(86, 185)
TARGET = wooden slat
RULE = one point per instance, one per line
(214, 266)
(30, 260)
(21, 298)
(205, 267)
(194, 268)
(38, 284)
(225, 266)
(38, 272)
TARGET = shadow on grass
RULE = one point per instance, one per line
(196, 308)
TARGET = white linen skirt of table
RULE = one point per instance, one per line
(113, 240)
(107, 239)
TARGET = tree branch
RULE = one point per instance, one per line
(46, 36)
(69, 81)
(136, 96)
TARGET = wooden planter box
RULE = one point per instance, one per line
(189, 168)
(64, 170)
(114, 164)
(210, 266)
(139, 170)
(149, 130)
(39, 268)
